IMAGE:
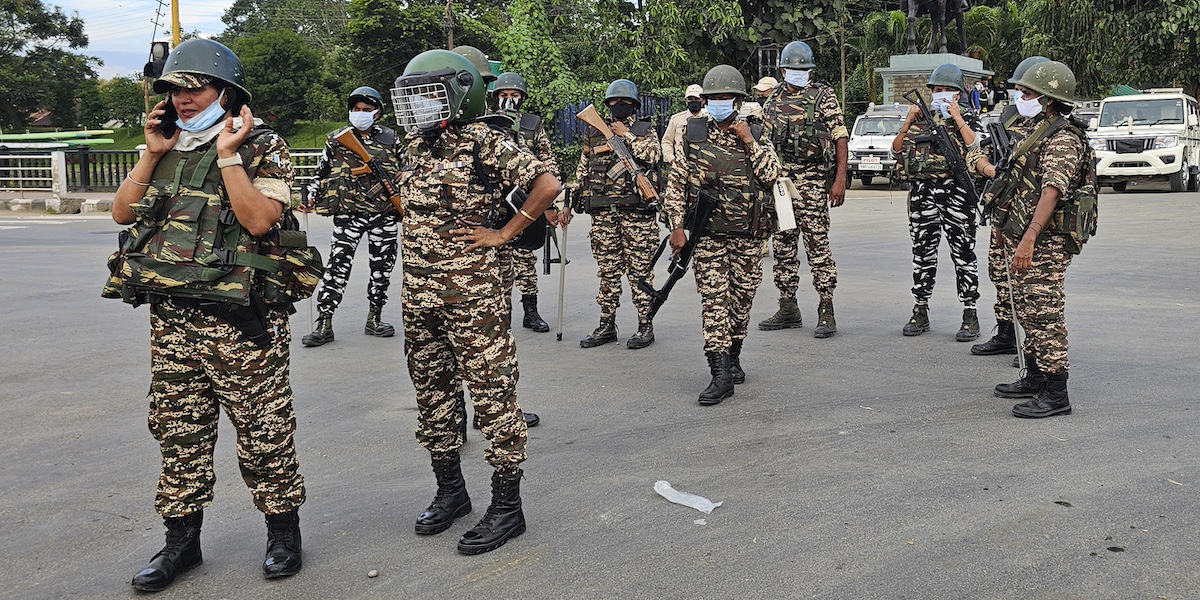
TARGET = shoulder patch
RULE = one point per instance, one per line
(530, 122)
(640, 128)
(386, 136)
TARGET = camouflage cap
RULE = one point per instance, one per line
(184, 80)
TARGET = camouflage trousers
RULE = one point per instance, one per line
(198, 365)
(934, 207)
(996, 272)
(1041, 302)
(728, 273)
(623, 243)
(453, 344)
(517, 267)
(381, 230)
(812, 220)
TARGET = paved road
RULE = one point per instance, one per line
(868, 465)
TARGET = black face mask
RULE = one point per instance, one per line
(622, 111)
(695, 106)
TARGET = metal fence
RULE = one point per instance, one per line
(98, 170)
(21, 171)
(565, 129)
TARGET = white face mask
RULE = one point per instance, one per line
(362, 121)
(941, 102)
(1029, 108)
(796, 77)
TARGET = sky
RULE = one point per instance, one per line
(120, 31)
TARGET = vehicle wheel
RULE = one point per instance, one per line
(1180, 180)
(1194, 181)
(866, 180)
(1120, 186)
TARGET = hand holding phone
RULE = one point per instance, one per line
(161, 131)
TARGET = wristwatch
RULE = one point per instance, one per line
(236, 159)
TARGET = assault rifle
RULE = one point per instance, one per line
(627, 164)
(699, 216)
(1001, 144)
(941, 140)
(349, 140)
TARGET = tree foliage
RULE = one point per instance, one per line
(319, 22)
(280, 70)
(37, 68)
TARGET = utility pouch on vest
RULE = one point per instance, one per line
(508, 206)
(300, 265)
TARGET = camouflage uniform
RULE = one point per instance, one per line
(809, 161)
(936, 203)
(453, 302)
(623, 238)
(727, 264)
(359, 207)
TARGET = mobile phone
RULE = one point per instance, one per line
(167, 124)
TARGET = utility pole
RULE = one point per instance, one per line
(174, 23)
(842, 34)
(448, 25)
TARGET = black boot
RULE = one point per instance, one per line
(1052, 400)
(374, 326)
(919, 322)
(736, 374)
(283, 545)
(826, 323)
(503, 520)
(182, 552)
(451, 500)
(1004, 342)
(969, 330)
(721, 386)
(644, 336)
(533, 320)
(604, 334)
(322, 332)
(1028, 386)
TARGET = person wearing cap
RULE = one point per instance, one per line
(762, 91)
(672, 139)
(210, 190)
(360, 207)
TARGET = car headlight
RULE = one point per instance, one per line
(1098, 144)
(1166, 141)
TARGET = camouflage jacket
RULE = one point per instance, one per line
(441, 191)
(336, 191)
(740, 175)
(530, 134)
(1056, 161)
(806, 149)
(923, 160)
(592, 170)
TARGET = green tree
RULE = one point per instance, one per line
(320, 23)
(280, 70)
(35, 71)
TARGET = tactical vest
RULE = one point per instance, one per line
(343, 193)
(921, 160)
(1018, 189)
(601, 193)
(525, 128)
(798, 135)
(729, 174)
(188, 243)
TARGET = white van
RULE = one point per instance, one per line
(1148, 136)
(870, 142)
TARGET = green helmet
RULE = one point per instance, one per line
(724, 79)
(1024, 66)
(622, 88)
(438, 87)
(365, 94)
(947, 76)
(510, 81)
(477, 58)
(206, 58)
(797, 55)
(1051, 79)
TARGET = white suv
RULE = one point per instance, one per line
(871, 142)
(1151, 135)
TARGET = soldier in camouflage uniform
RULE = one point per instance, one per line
(723, 157)
(808, 129)
(1005, 339)
(206, 353)
(936, 202)
(453, 294)
(1046, 171)
(624, 231)
(359, 206)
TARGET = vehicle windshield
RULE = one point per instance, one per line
(877, 126)
(1167, 111)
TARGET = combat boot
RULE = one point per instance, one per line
(1004, 342)
(1028, 386)
(374, 326)
(826, 324)
(322, 332)
(919, 322)
(1052, 400)
(181, 552)
(283, 545)
(970, 326)
(451, 500)
(503, 520)
(736, 374)
(721, 386)
(604, 334)
(644, 336)
(533, 320)
(787, 317)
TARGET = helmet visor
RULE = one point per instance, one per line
(421, 106)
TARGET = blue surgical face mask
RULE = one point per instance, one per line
(941, 102)
(1014, 95)
(361, 120)
(796, 77)
(721, 110)
(205, 118)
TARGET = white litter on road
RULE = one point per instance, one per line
(699, 503)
